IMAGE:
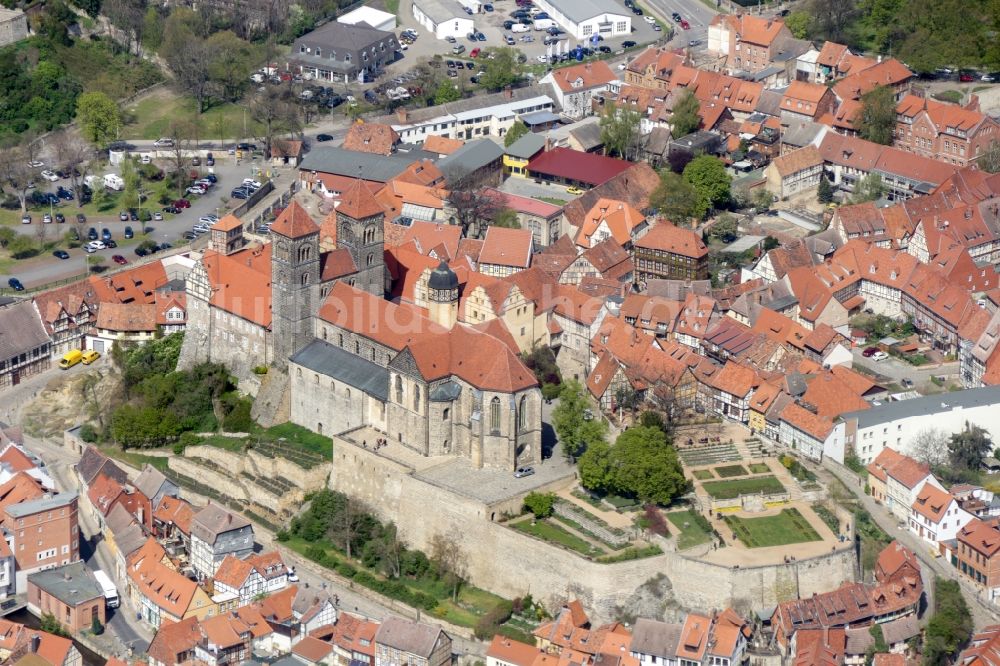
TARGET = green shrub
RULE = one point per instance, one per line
(540, 504)
(489, 624)
(260, 370)
(88, 433)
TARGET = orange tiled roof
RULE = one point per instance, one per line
(812, 424)
(583, 76)
(294, 222)
(241, 282)
(670, 238)
(932, 502)
(506, 247)
(889, 72)
(798, 160)
(358, 202)
(442, 145)
(375, 138)
(619, 217)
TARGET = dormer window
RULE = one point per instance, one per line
(319, 52)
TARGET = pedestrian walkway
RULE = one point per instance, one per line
(612, 518)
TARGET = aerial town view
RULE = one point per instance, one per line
(500, 333)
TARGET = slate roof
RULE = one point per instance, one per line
(892, 411)
(21, 330)
(214, 520)
(72, 584)
(469, 158)
(329, 159)
(412, 637)
(655, 638)
(332, 361)
(527, 146)
(34, 506)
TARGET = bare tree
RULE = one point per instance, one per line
(72, 155)
(276, 112)
(449, 561)
(930, 446)
(15, 174)
(344, 525)
(474, 208)
(180, 133)
(129, 17)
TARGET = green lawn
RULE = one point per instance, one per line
(736, 487)
(554, 534)
(233, 444)
(787, 527)
(728, 471)
(151, 118)
(759, 468)
(553, 200)
(137, 460)
(689, 532)
(703, 474)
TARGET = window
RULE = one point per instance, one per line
(416, 398)
(444, 414)
(495, 415)
(522, 413)
(399, 389)
(588, 29)
(620, 26)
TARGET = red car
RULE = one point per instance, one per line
(474, 53)
(182, 203)
(119, 259)
(966, 77)
(685, 24)
(869, 352)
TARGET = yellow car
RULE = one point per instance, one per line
(574, 190)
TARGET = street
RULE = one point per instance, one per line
(897, 370)
(696, 13)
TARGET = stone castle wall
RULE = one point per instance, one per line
(511, 564)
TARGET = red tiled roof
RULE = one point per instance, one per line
(619, 217)
(294, 222)
(889, 72)
(442, 145)
(506, 247)
(812, 424)
(669, 237)
(358, 202)
(932, 502)
(583, 76)
(526, 205)
(574, 165)
(373, 138)
(228, 223)
(241, 282)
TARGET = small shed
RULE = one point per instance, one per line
(286, 152)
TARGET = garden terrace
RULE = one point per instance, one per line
(733, 488)
(787, 527)
(709, 454)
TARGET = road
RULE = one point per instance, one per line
(983, 614)
(696, 13)
(896, 370)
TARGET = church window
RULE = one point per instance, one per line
(416, 398)
(444, 414)
(305, 278)
(369, 260)
(399, 389)
(372, 353)
(305, 253)
(495, 415)
(324, 333)
(522, 413)
(347, 393)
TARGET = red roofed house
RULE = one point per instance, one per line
(611, 219)
(575, 86)
(936, 515)
(983, 650)
(669, 252)
(794, 172)
(254, 575)
(806, 101)
(541, 217)
(505, 251)
(945, 132)
(748, 43)
(977, 555)
(572, 167)
(903, 481)
(733, 385)
(354, 640)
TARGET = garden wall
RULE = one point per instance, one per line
(511, 564)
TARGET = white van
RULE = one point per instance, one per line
(519, 27)
(544, 24)
(114, 182)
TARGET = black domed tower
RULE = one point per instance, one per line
(442, 296)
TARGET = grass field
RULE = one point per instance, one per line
(151, 117)
(787, 527)
(729, 471)
(736, 487)
(689, 532)
(555, 534)
(759, 468)
(703, 474)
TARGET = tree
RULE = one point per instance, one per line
(868, 188)
(152, 29)
(990, 159)
(507, 219)
(95, 263)
(130, 175)
(651, 419)
(540, 504)
(877, 120)
(50, 624)
(504, 69)
(179, 132)
(15, 175)
(678, 159)
(685, 118)
(931, 446)
(762, 199)
(232, 62)
(950, 626)
(449, 562)
(96, 628)
(595, 467)
(878, 646)
(824, 193)
(620, 131)
(277, 112)
(968, 448)
(446, 92)
(99, 117)
(725, 228)
(129, 16)
(542, 361)
(708, 176)
(831, 17)
(474, 207)
(22, 247)
(645, 466)
(799, 24)
(516, 131)
(189, 56)
(674, 198)
(574, 428)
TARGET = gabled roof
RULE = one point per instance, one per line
(410, 637)
(213, 520)
(574, 165)
(22, 328)
(932, 503)
(582, 76)
(374, 138)
(506, 247)
(294, 222)
(798, 161)
(668, 237)
(173, 639)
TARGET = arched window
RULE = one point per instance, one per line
(316, 379)
(368, 261)
(495, 415)
(399, 389)
(305, 278)
(522, 413)
(319, 428)
(347, 393)
(444, 414)
(305, 252)
(299, 372)
(416, 398)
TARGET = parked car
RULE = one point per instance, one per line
(47, 219)
(879, 356)
(324, 137)
(523, 472)
(869, 352)
(627, 44)
(92, 234)
(49, 176)
(174, 210)
(129, 233)
(64, 194)
(123, 216)
(158, 216)
(685, 25)
(474, 53)
(15, 284)
(25, 219)
(106, 234)
(60, 218)
(61, 254)
(196, 189)
(240, 193)
(574, 190)
(94, 245)
(81, 218)
(119, 259)
(182, 203)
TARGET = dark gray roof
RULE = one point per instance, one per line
(539, 117)
(329, 159)
(93, 462)
(336, 35)
(130, 540)
(213, 520)
(41, 504)
(73, 584)
(471, 157)
(769, 102)
(656, 141)
(857, 640)
(150, 481)
(412, 637)
(21, 329)
(801, 133)
(579, 11)
(655, 638)
(931, 404)
(588, 135)
(332, 361)
(119, 519)
(442, 278)
(526, 146)
(900, 630)
(450, 391)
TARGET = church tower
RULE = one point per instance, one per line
(360, 229)
(295, 273)
(442, 296)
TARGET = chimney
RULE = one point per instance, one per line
(402, 114)
(548, 144)
(36, 642)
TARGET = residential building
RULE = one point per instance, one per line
(575, 86)
(904, 477)
(175, 643)
(541, 217)
(976, 554)
(215, 533)
(162, 594)
(982, 649)
(46, 532)
(806, 101)
(152, 483)
(25, 347)
(667, 252)
(226, 640)
(126, 323)
(505, 251)
(443, 18)
(936, 515)
(475, 165)
(794, 172)
(69, 593)
(583, 19)
(375, 138)
(608, 218)
(41, 648)
(354, 641)
(517, 155)
(505, 651)
(13, 26)
(945, 132)
(250, 577)
(399, 642)
(747, 43)
(339, 52)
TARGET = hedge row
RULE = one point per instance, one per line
(393, 589)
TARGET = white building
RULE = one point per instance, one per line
(375, 18)
(575, 86)
(584, 18)
(898, 424)
(443, 18)
(936, 516)
(468, 118)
